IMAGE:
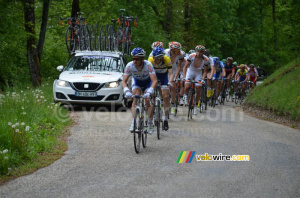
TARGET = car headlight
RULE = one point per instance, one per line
(63, 83)
(112, 84)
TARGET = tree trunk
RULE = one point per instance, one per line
(275, 32)
(43, 28)
(32, 54)
(187, 24)
(169, 17)
(75, 8)
(261, 30)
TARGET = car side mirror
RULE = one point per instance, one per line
(60, 68)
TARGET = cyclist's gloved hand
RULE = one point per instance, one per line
(214, 77)
(149, 92)
(147, 95)
(203, 82)
(127, 92)
(170, 84)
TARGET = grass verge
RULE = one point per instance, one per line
(32, 130)
(280, 93)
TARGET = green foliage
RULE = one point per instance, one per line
(27, 129)
(241, 29)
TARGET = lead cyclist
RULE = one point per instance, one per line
(143, 80)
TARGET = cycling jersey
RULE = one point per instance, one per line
(242, 73)
(163, 66)
(252, 72)
(229, 68)
(219, 69)
(140, 79)
(144, 74)
(191, 59)
(195, 73)
(177, 58)
(210, 63)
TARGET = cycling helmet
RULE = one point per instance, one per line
(206, 53)
(157, 44)
(216, 59)
(138, 52)
(234, 64)
(251, 66)
(199, 48)
(229, 59)
(242, 66)
(191, 51)
(175, 45)
(158, 52)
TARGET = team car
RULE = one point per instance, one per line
(91, 77)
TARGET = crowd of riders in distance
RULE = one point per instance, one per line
(172, 65)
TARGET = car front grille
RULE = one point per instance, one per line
(73, 97)
(87, 86)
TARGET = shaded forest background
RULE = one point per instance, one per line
(263, 32)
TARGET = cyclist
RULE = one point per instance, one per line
(156, 44)
(218, 74)
(252, 75)
(230, 71)
(241, 76)
(143, 80)
(210, 69)
(177, 56)
(163, 67)
(193, 71)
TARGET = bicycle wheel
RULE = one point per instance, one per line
(86, 38)
(237, 96)
(191, 107)
(158, 118)
(213, 99)
(92, 38)
(70, 40)
(110, 38)
(176, 101)
(137, 133)
(128, 40)
(144, 133)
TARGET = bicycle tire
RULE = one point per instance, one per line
(237, 95)
(144, 133)
(70, 40)
(128, 40)
(213, 99)
(92, 38)
(190, 113)
(176, 101)
(158, 118)
(137, 131)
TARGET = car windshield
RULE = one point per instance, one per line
(95, 63)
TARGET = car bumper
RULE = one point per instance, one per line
(104, 96)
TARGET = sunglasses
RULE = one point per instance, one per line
(136, 59)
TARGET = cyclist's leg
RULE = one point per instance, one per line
(136, 90)
(165, 92)
(198, 77)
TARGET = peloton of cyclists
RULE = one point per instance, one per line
(143, 80)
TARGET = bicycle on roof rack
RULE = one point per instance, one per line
(77, 33)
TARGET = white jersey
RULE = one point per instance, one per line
(142, 75)
(181, 56)
(192, 67)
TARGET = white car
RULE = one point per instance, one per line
(91, 77)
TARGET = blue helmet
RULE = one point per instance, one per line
(216, 60)
(158, 52)
(138, 52)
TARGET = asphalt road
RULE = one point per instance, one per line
(101, 161)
